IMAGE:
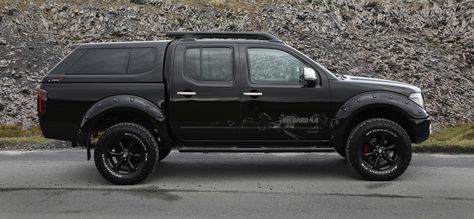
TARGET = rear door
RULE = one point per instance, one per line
(205, 97)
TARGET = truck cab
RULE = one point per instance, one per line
(244, 88)
(224, 92)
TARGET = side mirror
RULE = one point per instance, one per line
(310, 76)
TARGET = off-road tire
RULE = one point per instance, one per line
(146, 142)
(164, 152)
(355, 150)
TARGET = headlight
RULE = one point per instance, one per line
(417, 98)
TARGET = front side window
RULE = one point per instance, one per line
(274, 66)
(209, 64)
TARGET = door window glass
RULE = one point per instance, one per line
(209, 64)
(274, 67)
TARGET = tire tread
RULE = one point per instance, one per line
(367, 125)
(144, 173)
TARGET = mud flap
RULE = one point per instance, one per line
(88, 152)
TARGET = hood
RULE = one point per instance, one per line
(381, 84)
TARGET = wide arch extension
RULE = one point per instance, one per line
(120, 108)
(388, 105)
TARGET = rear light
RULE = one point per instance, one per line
(42, 99)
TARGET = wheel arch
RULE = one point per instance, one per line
(388, 105)
(121, 108)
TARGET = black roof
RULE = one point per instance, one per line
(183, 35)
(121, 44)
(192, 35)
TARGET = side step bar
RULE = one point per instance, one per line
(255, 149)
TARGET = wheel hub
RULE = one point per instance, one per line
(125, 154)
(379, 151)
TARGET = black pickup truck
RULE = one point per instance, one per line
(224, 92)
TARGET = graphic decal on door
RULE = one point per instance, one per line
(285, 123)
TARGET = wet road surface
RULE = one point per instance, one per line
(52, 184)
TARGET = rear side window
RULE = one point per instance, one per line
(209, 64)
(141, 60)
(114, 61)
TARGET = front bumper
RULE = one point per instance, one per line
(421, 129)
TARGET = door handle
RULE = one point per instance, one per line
(253, 94)
(186, 93)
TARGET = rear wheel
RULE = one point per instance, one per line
(379, 149)
(126, 154)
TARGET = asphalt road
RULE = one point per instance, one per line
(58, 184)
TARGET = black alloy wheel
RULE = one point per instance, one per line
(379, 149)
(126, 153)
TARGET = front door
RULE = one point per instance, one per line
(277, 105)
(205, 95)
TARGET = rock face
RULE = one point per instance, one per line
(426, 43)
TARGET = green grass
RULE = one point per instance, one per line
(33, 140)
(19, 131)
(457, 138)
(18, 134)
(460, 134)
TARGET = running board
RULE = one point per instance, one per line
(255, 149)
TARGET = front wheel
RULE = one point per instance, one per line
(379, 149)
(126, 154)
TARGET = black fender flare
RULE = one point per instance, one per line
(115, 103)
(373, 99)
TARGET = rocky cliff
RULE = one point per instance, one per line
(426, 43)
